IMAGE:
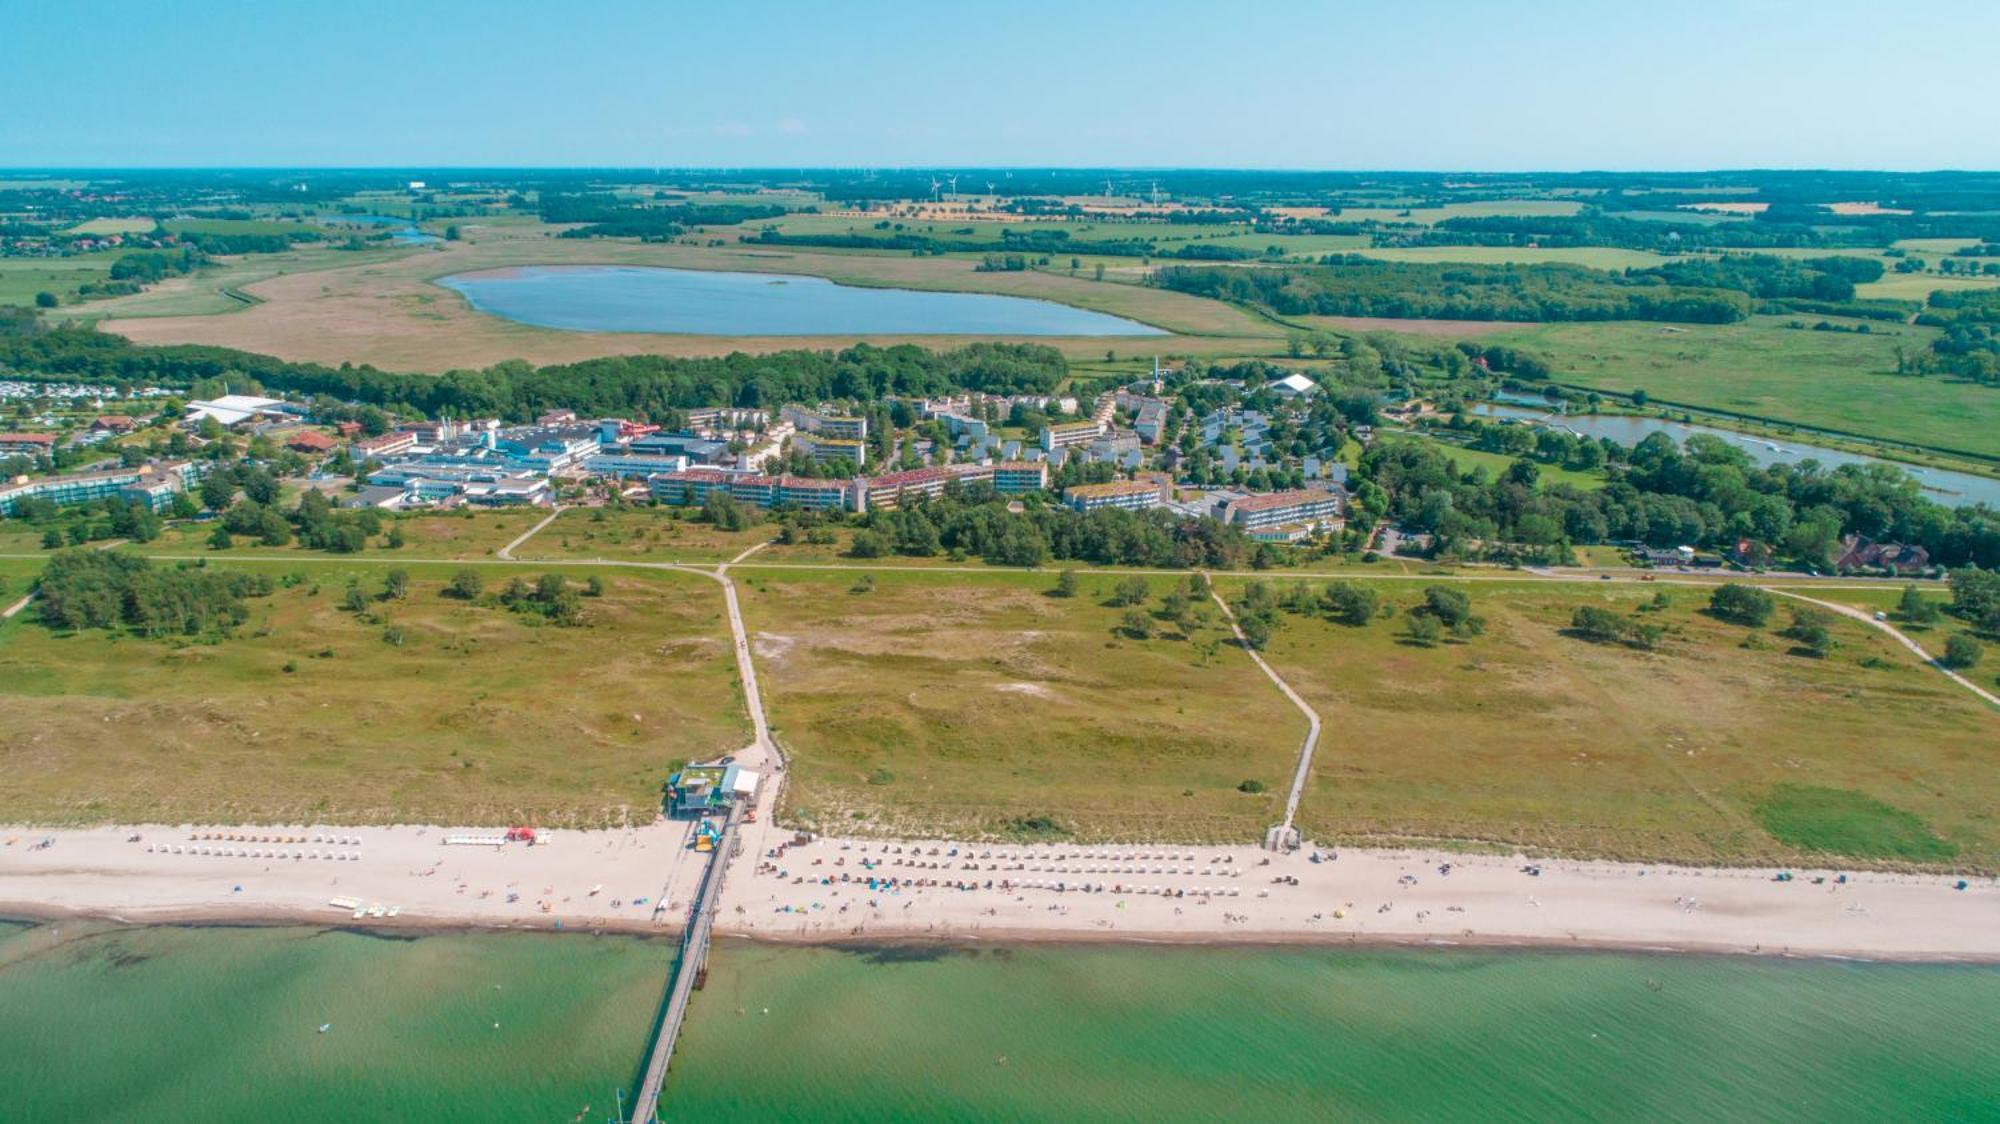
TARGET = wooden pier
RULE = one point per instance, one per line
(691, 967)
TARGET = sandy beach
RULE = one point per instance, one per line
(643, 879)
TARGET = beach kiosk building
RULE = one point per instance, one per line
(701, 790)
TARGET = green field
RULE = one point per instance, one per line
(22, 278)
(479, 716)
(1526, 736)
(967, 704)
(1837, 380)
(1497, 463)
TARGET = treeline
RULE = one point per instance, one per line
(1595, 229)
(608, 216)
(1707, 494)
(1040, 243)
(219, 244)
(147, 266)
(1969, 347)
(1351, 285)
(83, 589)
(976, 523)
(636, 386)
(1770, 277)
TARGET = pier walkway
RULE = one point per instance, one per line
(693, 956)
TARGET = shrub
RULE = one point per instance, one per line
(1602, 626)
(466, 585)
(1962, 651)
(1251, 786)
(1352, 603)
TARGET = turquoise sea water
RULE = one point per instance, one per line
(705, 302)
(221, 1025)
(170, 1024)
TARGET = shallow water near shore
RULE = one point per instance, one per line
(222, 1024)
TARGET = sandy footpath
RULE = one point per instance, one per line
(645, 879)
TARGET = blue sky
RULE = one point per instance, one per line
(1416, 84)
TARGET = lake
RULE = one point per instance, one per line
(705, 302)
(1953, 489)
(221, 1024)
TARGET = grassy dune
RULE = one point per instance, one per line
(1529, 737)
(478, 716)
(642, 534)
(948, 702)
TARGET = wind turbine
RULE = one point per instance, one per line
(1108, 193)
(954, 186)
(934, 189)
(1156, 193)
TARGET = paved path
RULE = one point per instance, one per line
(13, 610)
(1900, 636)
(507, 552)
(1304, 769)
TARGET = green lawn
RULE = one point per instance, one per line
(1526, 736)
(1838, 380)
(479, 716)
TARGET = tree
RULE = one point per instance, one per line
(466, 585)
(1742, 604)
(1914, 608)
(217, 489)
(1975, 596)
(1131, 591)
(219, 539)
(1809, 628)
(594, 587)
(52, 539)
(1066, 584)
(1136, 624)
(260, 485)
(868, 544)
(394, 539)
(1256, 631)
(46, 300)
(396, 585)
(354, 601)
(1962, 652)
